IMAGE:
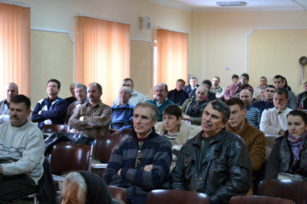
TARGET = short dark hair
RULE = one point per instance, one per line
(194, 78)
(181, 80)
(300, 113)
(22, 99)
(263, 77)
(236, 101)
(270, 86)
(218, 78)
(96, 84)
(172, 110)
(278, 77)
(235, 76)
(221, 107)
(128, 79)
(245, 75)
(56, 81)
(206, 81)
(282, 91)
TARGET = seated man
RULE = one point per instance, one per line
(253, 138)
(84, 187)
(215, 161)
(175, 130)
(268, 99)
(141, 162)
(234, 89)
(51, 110)
(21, 152)
(193, 107)
(73, 98)
(279, 83)
(210, 95)
(80, 93)
(122, 113)
(10, 90)
(192, 86)
(216, 88)
(178, 96)
(274, 120)
(253, 114)
(93, 118)
(301, 98)
(136, 97)
(161, 100)
(257, 89)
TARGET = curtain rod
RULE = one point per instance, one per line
(179, 31)
(101, 18)
(15, 3)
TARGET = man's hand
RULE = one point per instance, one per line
(116, 132)
(281, 108)
(148, 168)
(281, 132)
(119, 171)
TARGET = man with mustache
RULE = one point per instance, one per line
(21, 152)
(10, 90)
(161, 100)
(80, 93)
(51, 110)
(215, 162)
(93, 118)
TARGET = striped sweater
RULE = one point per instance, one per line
(156, 150)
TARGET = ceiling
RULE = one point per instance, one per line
(252, 5)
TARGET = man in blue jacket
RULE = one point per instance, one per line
(51, 110)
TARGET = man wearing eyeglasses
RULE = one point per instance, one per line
(141, 162)
(215, 161)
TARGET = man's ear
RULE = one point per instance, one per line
(154, 121)
(244, 111)
(29, 111)
(224, 124)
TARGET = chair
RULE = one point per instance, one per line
(66, 157)
(176, 196)
(258, 200)
(269, 143)
(126, 132)
(55, 128)
(118, 193)
(294, 190)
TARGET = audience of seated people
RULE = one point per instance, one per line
(253, 114)
(141, 162)
(268, 99)
(210, 95)
(273, 120)
(288, 159)
(175, 130)
(216, 88)
(279, 82)
(301, 98)
(257, 89)
(193, 107)
(80, 94)
(10, 90)
(215, 161)
(93, 118)
(72, 98)
(253, 138)
(189, 88)
(178, 95)
(161, 100)
(234, 89)
(136, 97)
(51, 110)
(122, 113)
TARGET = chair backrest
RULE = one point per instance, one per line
(294, 190)
(176, 196)
(55, 128)
(118, 193)
(104, 147)
(126, 132)
(269, 143)
(258, 200)
(66, 157)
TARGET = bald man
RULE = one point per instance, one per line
(253, 114)
(10, 90)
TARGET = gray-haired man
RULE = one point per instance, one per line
(10, 90)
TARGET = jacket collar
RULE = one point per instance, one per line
(220, 136)
(240, 132)
(150, 136)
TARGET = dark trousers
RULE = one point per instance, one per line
(13, 187)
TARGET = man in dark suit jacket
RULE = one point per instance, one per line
(192, 86)
(178, 96)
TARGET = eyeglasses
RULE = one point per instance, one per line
(138, 157)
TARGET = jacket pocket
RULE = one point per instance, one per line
(188, 167)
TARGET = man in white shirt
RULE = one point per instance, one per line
(136, 97)
(10, 90)
(274, 120)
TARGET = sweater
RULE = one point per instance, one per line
(185, 132)
(253, 116)
(22, 150)
(218, 91)
(157, 151)
(178, 97)
(185, 108)
(262, 105)
(272, 122)
(122, 116)
(161, 107)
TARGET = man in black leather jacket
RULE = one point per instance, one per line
(215, 162)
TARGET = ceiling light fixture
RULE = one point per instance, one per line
(231, 3)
